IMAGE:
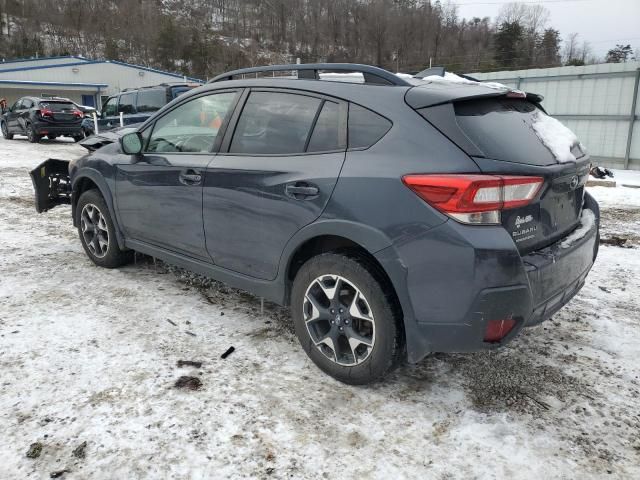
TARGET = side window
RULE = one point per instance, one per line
(191, 127)
(365, 127)
(127, 103)
(151, 100)
(110, 108)
(326, 133)
(17, 105)
(274, 123)
(26, 103)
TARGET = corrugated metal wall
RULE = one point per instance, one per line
(595, 101)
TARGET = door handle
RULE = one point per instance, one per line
(301, 190)
(190, 177)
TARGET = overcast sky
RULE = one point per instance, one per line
(603, 23)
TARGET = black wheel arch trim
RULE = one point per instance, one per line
(378, 245)
(98, 179)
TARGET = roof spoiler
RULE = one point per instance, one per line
(440, 72)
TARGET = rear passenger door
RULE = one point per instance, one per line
(274, 174)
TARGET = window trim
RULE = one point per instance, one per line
(342, 109)
(221, 132)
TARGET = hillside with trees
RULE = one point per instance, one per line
(205, 37)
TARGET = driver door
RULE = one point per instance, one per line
(159, 193)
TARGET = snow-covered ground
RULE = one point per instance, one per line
(90, 355)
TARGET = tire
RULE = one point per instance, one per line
(5, 131)
(32, 136)
(97, 232)
(377, 341)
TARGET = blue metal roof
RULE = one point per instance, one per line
(97, 86)
(34, 59)
(91, 62)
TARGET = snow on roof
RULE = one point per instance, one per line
(449, 78)
(452, 78)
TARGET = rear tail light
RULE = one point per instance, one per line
(496, 330)
(476, 199)
(45, 112)
(77, 113)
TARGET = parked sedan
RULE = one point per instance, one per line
(38, 117)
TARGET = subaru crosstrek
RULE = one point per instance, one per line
(397, 217)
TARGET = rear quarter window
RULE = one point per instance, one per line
(365, 127)
(151, 100)
(127, 103)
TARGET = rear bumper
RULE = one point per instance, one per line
(70, 130)
(466, 276)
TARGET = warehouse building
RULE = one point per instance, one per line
(84, 81)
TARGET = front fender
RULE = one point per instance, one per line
(84, 173)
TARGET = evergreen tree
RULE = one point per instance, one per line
(508, 42)
(619, 54)
(548, 48)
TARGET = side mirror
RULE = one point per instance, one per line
(131, 143)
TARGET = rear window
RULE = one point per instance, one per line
(58, 106)
(177, 91)
(365, 127)
(151, 100)
(501, 129)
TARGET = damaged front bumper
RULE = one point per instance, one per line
(52, 184)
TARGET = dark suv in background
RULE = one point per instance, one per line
(136, 105)
(397, 217)
(38, 117)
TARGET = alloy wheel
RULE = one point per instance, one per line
(94, 230)
(339, 320)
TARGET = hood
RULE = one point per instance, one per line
(94, 142)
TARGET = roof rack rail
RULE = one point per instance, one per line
(310, 71)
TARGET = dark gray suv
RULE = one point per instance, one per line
(396, 216)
